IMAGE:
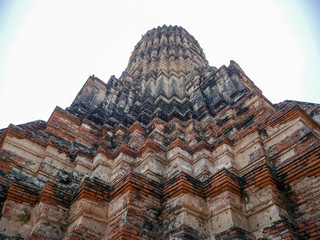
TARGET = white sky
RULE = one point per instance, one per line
(48, 49)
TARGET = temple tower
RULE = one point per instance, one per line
(172, 149)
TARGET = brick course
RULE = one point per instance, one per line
(173, 149)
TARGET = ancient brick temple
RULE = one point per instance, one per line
(173, 149)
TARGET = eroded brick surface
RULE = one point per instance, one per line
(173, 149)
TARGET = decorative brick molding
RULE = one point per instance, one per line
(173, 149)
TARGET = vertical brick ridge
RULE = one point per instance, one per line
(81, 234)
(4, 188)
(222, 181)
(137, 181)
(235, 233)
(23, 193)
(56, 194)
(37, 235)
(298, 178)
(92, 189)
(281, 229)
(182, 183)
(184, 232)
(261, 176)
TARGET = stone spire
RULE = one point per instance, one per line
(165, 59)
(166, 51)
(173, 149)
(167, 76)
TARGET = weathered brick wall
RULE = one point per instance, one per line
(281, 229)
(173, 149)
(235, 233)
(302, 183)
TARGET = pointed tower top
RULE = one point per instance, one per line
(166, 49)
(167, 77)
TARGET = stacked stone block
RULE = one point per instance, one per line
(173, 149)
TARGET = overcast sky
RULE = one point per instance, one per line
(49, 48)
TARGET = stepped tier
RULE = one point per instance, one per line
(167, 77)
(173, 149)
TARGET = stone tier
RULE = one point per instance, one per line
(163, 84)
(59, 178)
(140, 208)
(173, 149)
